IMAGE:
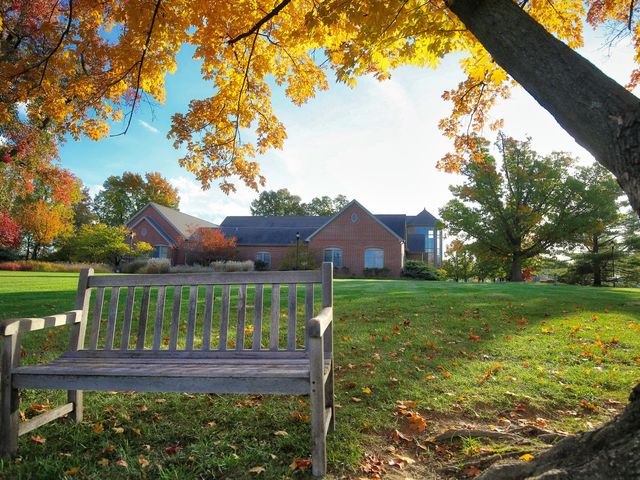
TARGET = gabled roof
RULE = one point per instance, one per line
(423, 218)
(156, 227)
(183, 223)
(355, 202)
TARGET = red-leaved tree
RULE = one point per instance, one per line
(10, 231)
(207, 245)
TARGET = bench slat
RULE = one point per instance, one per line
(128, 316)
(97, 314)
(208, 315)
(257, 318)
(144, 315)
(242, 316)
(175, 318)
(224, 318)
(274, 334)
(293, 304)
(308, 311)
(191, 317)
(157, 329)
(113, 315)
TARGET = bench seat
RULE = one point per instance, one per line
(194, 372)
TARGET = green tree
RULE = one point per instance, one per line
(521, 208)
(459, 262)
(104, 244)
(123, 196)
(83, 213)
(280, 202)
(602, 192)
(326, 206)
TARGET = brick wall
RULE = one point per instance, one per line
(146, 232)
(248, 252)
(354, 237)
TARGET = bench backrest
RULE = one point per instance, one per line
(223, 312)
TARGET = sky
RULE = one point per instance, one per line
(378, 142)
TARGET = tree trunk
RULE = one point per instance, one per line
(599, 113)
(596, 263)
(607, 453)
(516, 268)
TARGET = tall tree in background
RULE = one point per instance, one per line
(280, 202)
(459, 263)
(57, 58)
(603, 193)
(283, 202)
(123, 196)
(520, 208)
(326, 206)
(83, 213)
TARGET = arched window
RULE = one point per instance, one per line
(264, 257)
(333, 255)
(374, 258)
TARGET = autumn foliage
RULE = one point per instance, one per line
(10, 235)
(207, 245)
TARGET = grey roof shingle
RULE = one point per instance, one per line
(184, 223)
(423, 218)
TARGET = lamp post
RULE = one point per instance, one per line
(297, 249)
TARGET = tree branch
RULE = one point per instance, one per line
(278, 8)
(144, 53)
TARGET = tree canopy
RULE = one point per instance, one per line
(283, 202)
(522, 206)
(77, 65)
(122, 196)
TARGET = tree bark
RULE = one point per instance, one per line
(596, 263)
(599, 113)
(516, 268)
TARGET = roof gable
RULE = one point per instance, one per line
(359, 205)
(423, 218)
(183, 223)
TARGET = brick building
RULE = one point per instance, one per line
(354, 239)
(167, 230)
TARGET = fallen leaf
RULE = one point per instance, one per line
(527, 457)
(280, 433)
(136, 431)
(398, 436)
(144, 463)
(98, 428)
(367, 391)
(118, 430)
(122, 463)
(356, 399)
(300, 463)
(103, 462)
(72, 471)
(471, 471)
(38, 439)
(257, 470)
(172, 449)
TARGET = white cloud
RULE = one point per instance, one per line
(212, 205)
(149, 127)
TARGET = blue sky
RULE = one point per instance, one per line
(377, 143)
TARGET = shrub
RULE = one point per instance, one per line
(376, 272)
(65, 267)
(157, 265)
(232, 266)
(420, 270)
(134, 266)
(260, 266)
(195, 268)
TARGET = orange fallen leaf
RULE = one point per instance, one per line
(144, 463)
(300, 463)
(257, 470)
(72, 471)
(122, 463)
(97, 428)
(38, 439)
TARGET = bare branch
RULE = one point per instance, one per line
(278, 8)
(144, 53)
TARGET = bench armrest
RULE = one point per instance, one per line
(319, 323)
(19, 325)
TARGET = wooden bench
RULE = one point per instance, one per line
(129, 351)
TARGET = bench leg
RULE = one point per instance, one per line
(76, 397)
(329, 399)
(319, 452)
(9, 398)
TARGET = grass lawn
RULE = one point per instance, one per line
(494, 357)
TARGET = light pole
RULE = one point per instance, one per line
(297, 249)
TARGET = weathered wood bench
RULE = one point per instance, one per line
(159, 356)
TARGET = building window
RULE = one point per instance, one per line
(429, 238)
(264, 257)
(160, 251)
(333, 255)
(374, 258)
